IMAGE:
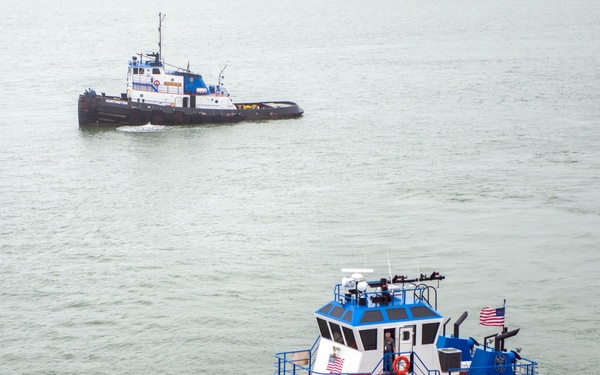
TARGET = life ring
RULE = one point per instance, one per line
(156, 83)
(404, 369)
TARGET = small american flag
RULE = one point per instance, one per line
(492, 317)
(335, 365)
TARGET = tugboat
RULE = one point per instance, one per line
(392, 326)
(160, 96)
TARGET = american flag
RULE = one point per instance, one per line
(335, 365)
(492, 317)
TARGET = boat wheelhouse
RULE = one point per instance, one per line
(353, 327)
(149, 82)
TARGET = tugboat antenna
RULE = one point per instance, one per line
(389, 265)
(160, 19)
(221, 74)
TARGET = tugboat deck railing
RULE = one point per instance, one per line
(416, 294)
(526, 367)
(142, 83)
(287, 365)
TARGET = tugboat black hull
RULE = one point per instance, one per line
(96, 110)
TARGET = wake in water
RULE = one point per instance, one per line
(148, 128)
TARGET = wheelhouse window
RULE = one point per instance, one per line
(429, 333)
(326, 309)
(135, 71)
(371, 316)
(348, 316)
(155, 71)
(349, 336)
(421, 311)
(323, 328)
(336, 331)
(397, 314)
(369, 339)
(337, 312)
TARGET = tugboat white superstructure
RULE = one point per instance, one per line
(161, 96)
(353, 328)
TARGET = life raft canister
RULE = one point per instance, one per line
(396, 364)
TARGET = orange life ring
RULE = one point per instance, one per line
(156, 83)
(404, 369)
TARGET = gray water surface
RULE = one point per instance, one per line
(458, 136)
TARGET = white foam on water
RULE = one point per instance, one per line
(148, 128)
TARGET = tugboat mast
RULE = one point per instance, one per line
(160, 19)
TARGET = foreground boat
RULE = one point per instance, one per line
(354, 325)
(159, 96)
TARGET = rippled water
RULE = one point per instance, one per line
(458, 136)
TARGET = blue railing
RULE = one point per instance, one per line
(527, 367)
(295, 364)
(420, 294)
(288, 364)
(419, 367)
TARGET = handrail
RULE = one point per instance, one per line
(291, 366)
(140, 85)
(397, 295)
(420, 363)
(286, 365)
(529, 368)
(144, 85)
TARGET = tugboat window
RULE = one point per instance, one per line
(369, 339)
(429, 333)
(397, 314)
(337, 311)
(337, 333)
(323, 329)
(135, 70)
(348, 316)
(325, 309)
(155, 71)
(349, 335)
(421, 311)
(371, 316)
